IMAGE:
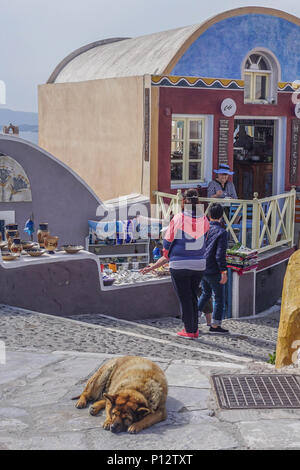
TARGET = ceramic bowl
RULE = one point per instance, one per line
(27, 244)
(7, 256)
(108, 281)
(35, 252)
(72, 248)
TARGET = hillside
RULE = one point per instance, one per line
(25, 120)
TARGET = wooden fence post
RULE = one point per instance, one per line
(255, 223)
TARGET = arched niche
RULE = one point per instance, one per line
(14, 183)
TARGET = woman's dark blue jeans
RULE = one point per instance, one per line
(210, 285)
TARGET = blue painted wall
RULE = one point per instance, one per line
(219, 51)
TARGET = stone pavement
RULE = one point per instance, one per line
(48, 362)
(253, 338)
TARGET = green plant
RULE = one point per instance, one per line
(272, 358)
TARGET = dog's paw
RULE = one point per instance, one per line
(107, 424)
(134, 428)
(81, 403)
(93, 410)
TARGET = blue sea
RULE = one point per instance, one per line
(31, 136)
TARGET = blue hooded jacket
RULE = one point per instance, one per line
(216, 246)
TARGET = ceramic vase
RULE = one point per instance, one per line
(42, 233)
(16, 246)
(10, 235)
(51, 243)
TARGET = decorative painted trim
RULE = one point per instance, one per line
(197, 82)
(285, 87)
(209, 83)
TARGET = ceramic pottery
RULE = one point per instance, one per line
(16, 246)
(51, 243)
(42, 233)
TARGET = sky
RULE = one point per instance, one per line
(36, 35)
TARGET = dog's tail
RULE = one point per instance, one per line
(75, 398)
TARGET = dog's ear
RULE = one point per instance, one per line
(143, 411)
(111, 398)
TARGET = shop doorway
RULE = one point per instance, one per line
(254, 156)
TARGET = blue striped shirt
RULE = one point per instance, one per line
(228, 190)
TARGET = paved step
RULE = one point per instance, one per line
(249, 339)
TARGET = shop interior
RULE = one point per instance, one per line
(253, 157)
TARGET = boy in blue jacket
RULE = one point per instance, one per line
(215, 275)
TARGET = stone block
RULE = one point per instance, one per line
(186, 376)
(271, 434)
(289, 327)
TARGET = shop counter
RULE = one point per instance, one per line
(68, 284)
(27, 260)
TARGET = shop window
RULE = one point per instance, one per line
(187, 150)
(254, 147)
(260, 79)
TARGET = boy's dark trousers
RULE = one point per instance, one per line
(211, 285)
(186, 283)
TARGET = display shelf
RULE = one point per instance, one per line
(121, 256)
(137, 242)
(140, 248)
(141, 262)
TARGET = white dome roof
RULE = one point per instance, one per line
(120, 57)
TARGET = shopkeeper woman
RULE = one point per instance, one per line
(184, 249)
(220, 187)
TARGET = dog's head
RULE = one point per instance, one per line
(125, 408)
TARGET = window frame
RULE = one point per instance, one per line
(186, 160)
(253, 75)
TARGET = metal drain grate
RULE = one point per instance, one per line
(257, 391)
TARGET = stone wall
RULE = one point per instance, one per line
(97, 128)
(73, 287)
(58, 195)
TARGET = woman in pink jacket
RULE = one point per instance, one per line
(184, 249)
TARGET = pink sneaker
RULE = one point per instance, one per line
(186, 335)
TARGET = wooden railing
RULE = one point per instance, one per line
(261, 224)
(167, 204)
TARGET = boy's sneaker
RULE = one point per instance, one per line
(219, 330)
(186, 335)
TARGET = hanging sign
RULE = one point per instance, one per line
(295, 134)
(223, 140)
(228, 107)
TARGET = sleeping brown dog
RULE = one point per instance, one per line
(133, 390)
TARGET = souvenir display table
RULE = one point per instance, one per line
(66, 284)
